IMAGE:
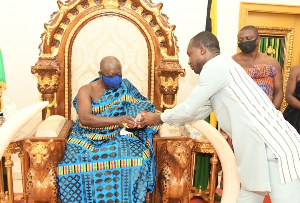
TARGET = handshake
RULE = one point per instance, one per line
(138, 119)
(129, 122)
(141, 120)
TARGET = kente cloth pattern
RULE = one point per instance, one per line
(100, 164)
(291, 114)
(263, 75)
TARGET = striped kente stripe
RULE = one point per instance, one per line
(131, 99)
(81, 143)
(103, 128)
(122, 163)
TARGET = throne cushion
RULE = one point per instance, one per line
(51, 126)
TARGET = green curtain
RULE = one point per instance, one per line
(276, 44)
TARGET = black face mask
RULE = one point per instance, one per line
(247, 46)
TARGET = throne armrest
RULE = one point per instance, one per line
(51, 126)
(52, 133)
(167, 131)
(57, 128)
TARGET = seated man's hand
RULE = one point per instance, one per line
(150, 119)
(126, 122)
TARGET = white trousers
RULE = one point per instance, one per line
(280, 193)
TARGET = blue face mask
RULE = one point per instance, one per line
(113, 82)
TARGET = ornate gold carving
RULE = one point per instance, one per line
(273, 31)
(14, 147)
(270, 51)
(47, 82)
(169, 72)
(208, 194)
(110, 3)
(169, 82)
(47, 72)
(41, 178)
(203, 148)
(168, 106)
(174, 176)
(69, 10)
(4, 197)
(288, 34)
(52, 104)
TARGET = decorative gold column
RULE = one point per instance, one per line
(22, 158)
(1, 182)
(47, 72)
(169, 72)
(207, 195)
(13, 148)
(213, 176)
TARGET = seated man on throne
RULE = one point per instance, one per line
(108, 158)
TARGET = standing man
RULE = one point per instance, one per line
(267, 148)
(263, 69)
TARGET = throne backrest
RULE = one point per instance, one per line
(106, 37)
(82, 32)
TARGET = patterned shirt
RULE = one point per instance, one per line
(263, 75)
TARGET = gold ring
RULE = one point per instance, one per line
(125, 125)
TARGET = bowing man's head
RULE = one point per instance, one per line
(202, 47)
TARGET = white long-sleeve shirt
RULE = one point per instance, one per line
(245, 113)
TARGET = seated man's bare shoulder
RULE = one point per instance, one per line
(93, 91)
(85, 88)
(85, 92)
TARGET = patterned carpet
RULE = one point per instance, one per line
(18, 198)
(219, 192)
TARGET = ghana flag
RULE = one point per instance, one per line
(211, 26)
(2, 79)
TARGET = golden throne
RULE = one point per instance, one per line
(81, 33)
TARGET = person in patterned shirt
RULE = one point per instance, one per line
(263, 69)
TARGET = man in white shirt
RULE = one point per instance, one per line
(267, 148)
